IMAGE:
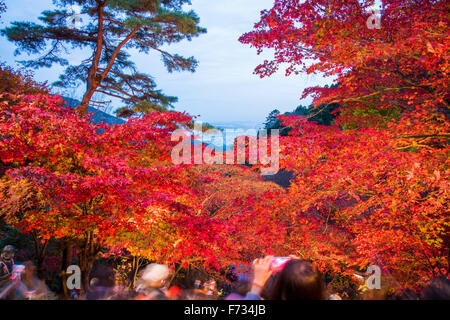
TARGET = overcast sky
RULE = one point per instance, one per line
(224, 87)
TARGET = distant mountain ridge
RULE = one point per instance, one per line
(238, 124)
(98, 115)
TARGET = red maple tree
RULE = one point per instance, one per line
(377, 191)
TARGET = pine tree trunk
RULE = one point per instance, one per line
(83, 107)
(91, 81)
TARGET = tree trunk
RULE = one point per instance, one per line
(66, 262)
(86, 259)
(40, 255)
(90, 90)
(91, 81)
(87, 263)
(137, 262)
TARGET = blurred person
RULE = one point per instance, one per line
(268, 288)
(234, 296)
(150, 285)
(210, 288)
(334, 296)
(31, 287)
(6, 264)
(239, 290)
(197, 293)
(7, 285)
(175, 293)
(102, 284)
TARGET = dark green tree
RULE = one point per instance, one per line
(108, 28)
(272, 122)
(2, 7)
(322, 115)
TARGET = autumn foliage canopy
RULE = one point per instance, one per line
(370, 189)
(377, 191)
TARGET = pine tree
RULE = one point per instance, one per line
(272, 122)
(112, 27)
(2, 8)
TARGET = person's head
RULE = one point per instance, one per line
(241, 287)
(102, 276)
(299, 280)
(154, 275)
(210, 286)
(8, 253)
(268, 289)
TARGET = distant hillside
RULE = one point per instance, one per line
(238, 124)
(98, 115)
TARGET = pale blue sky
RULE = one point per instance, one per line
(224, 88)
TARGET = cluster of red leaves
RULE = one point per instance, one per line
(402, 64)
(246, 209)
(383, 205)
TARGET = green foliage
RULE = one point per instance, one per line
(272, 122)
(108, 30)
(323, 115)
(2, 7)
(14, 236)
(343, 285)
(359, 117)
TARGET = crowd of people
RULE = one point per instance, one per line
(292, 279)
(271, 278)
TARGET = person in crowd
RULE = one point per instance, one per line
(334, 296)
(239, 290)
(261, 273)
(197, 284)
(210, 288)
(297, 280)
(7, 287)
(6, 264)
(175, 293)
(234, 296)
(31, 287)
(102, 283)
(150, 286)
